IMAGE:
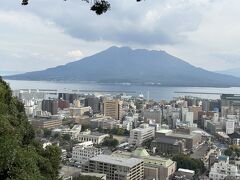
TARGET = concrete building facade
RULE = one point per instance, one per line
(143, 133)
(116, 168)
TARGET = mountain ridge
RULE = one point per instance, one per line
(233, 72)
(124, 65)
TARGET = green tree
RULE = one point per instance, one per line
(233, 150)
(66, 137)
(186, 162)
(21, 156)
(47, 133)
(110, 142)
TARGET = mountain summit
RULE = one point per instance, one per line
(123, 64)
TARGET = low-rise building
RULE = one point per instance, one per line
(95, 137)
(84, 151)
(235, 138)
(155, 167)
(79, 111)
(141, 134)
(74, 132)
(46, 122)
(104, 123)
(168, 146)
(192, 140)
(184, 174)
(115, 167)
(98, 175)
(222, 169)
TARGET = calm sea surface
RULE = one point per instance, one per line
(155, 92)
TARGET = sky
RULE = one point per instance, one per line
(47, 33)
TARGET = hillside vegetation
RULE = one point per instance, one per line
(21, 156)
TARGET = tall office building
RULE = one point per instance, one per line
(230, 104)
(94, 103)
(68, 97)
(112, 108)
(62, 104)
(154, 114)
(116, 168)
(50, 106)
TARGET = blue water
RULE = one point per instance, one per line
(155, 92)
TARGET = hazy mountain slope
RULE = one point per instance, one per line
(136, 66)
(233, 72)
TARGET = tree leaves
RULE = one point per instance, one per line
(99, 6)
(21, 156)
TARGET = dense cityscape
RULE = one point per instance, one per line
(119, 90)
(132, 137)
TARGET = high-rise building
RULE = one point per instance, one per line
(112, 108)
(230, 104)
(154, 114)
(116, 167)
(69, 97)
(62, 104)
(94, 103)
(50, 106)
(195, 110)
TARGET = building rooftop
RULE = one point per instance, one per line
(90, 133)
(186, 170)
(120, 161)
(186, 136)
(166, 140)
(164, 131)
(143, 127)
(148, 160)
(140, 152)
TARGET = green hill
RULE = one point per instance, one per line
(21, 156)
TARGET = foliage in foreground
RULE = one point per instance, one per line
(21, 156)
(99, 6)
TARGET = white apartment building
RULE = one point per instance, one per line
(222, 168)
(74, 132)
(187, 116)
(141, 134)
(230, 125)
(115, 167)
(128, 123)
(154, 114)
(78, 111)
(84, 151)
(95, 137)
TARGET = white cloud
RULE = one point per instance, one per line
(76, 54)
(47, 33)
